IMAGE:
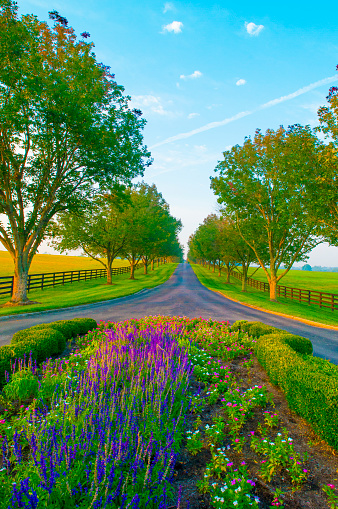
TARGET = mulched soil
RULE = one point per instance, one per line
(322, 463)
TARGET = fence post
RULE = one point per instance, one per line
(42, 280)
(63, 278)
(53, 279)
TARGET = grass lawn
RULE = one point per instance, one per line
(320, 281)
(258, 298)
(94, 290)
(43, 263)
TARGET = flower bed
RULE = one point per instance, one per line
(105, 427)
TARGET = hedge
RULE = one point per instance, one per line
(310, 393)
(42, 341)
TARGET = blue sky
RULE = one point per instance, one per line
(207, 74)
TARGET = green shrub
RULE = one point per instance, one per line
(85, 325)
(257, 329)
(310, 393)
(43, 342)
(298, 343)
(69, 328)
(22, 386)
(237, 326)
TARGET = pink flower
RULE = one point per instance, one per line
(2, 421)
(331, 486)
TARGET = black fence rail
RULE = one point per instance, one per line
(41, 281)
(321, 299)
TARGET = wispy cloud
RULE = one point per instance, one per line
(240, 82)
(193, 76)
(175, 26)
(212, 125)
(193, 115)
(151, 103)
(168, 6)
(253, 29)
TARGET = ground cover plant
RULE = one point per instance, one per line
(94, 290)
(260, 299)
(161, 412)
(43, 263)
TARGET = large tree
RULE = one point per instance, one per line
(324, 191)
(65, 130)
(264, 182)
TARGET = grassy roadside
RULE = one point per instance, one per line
(258, 298)
(95, 290)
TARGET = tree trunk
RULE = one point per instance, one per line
(152, 265)
(109, 278)
(19, 295)
(273, 288)
(145, 262)
(214, 267)
(219, 269)
(158, 261)
(228, 272)
(132, 268)
(245, 277)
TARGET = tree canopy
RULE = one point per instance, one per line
(264, 183)
(66, 131)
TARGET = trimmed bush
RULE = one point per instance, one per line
(237, 326)
(85, 325)
(310, 393)
(298, 343)
(43, 342)
(258, 329)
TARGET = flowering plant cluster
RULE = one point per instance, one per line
(106, 424)
(278, 454)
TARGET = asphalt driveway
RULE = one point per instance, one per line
(181, 295)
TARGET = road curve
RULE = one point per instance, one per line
(181, 295)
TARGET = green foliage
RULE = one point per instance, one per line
(310, 393)
(64, 133)
(257, 329)
(85, 325)
(298, 343)
(22, 386)
(237, 326)
(261, 182)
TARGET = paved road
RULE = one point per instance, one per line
(181, 295)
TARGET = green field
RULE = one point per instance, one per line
(43, 263)
(320, 281)
(261, 299)
(94, 290)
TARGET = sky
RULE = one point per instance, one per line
(206, 75)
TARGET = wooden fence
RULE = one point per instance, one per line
(42, 281)
(321, 299)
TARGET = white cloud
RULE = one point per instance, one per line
(242, 114)
(193, 76)
(175, 26)
(253, 29)
(240, 82)
(168, 6)
(193, 115)
(150, 103)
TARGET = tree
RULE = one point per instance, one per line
(100, 231)
(264, 183)
(324, 191)
(150, 228)
(65, 131)
(307, 267)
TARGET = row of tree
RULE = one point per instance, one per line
(70, 145)
(278, 198)
(133, 224)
